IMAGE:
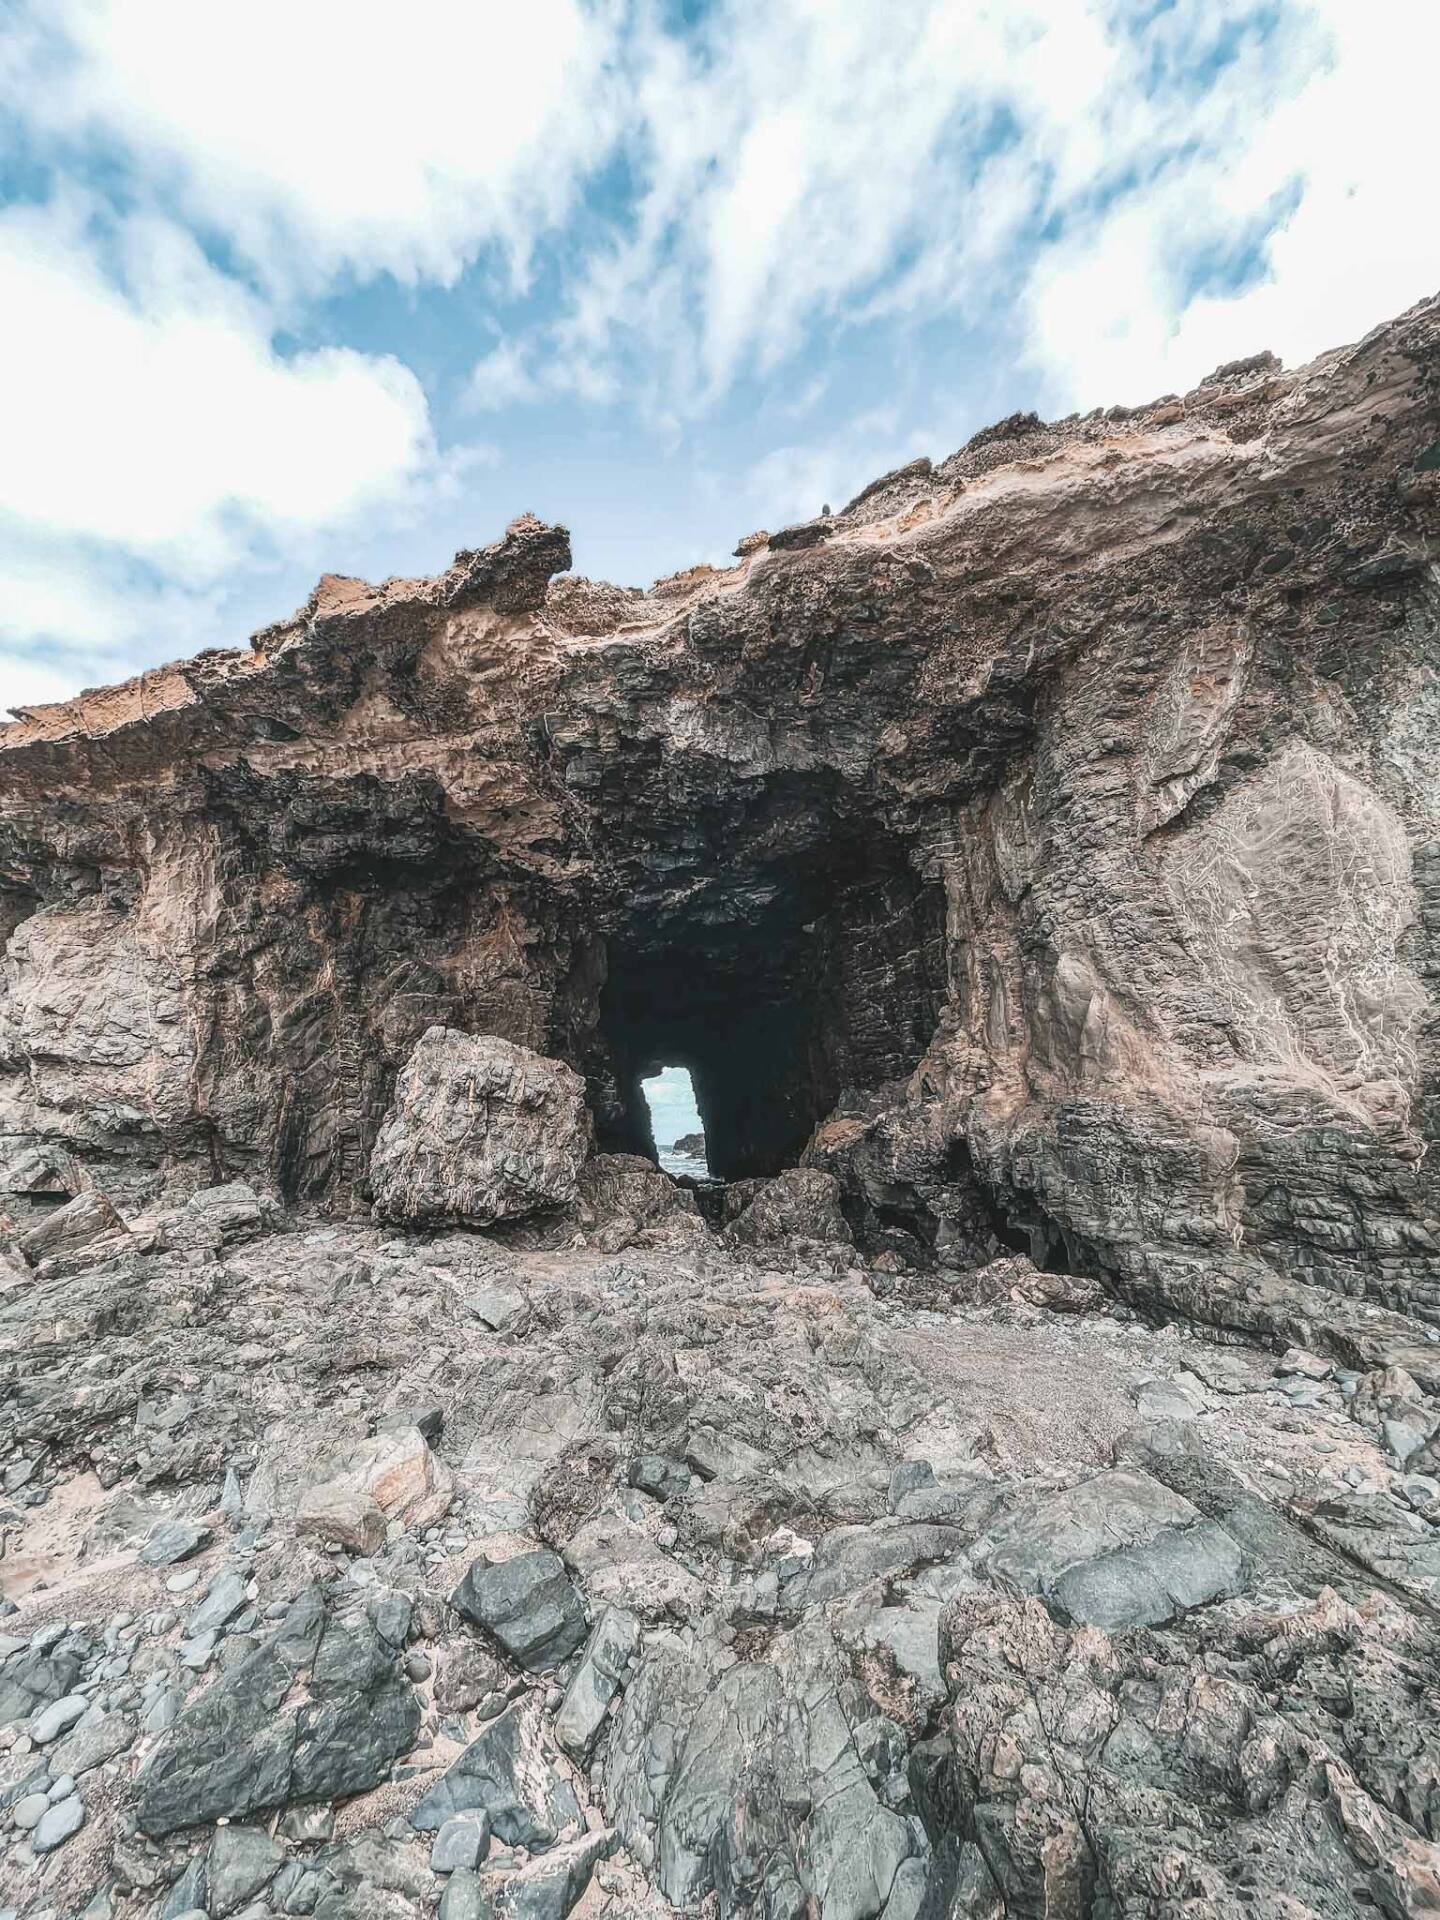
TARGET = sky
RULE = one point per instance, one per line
(670, 1096)
(307, 286)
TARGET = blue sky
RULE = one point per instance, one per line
(670, 1096)
(304, 286)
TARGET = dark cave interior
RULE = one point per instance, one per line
(779, 993)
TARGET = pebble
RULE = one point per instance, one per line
(58, 1824)
(182, 1582)
(197, 1652)
(27, 1813)
(49, 1722)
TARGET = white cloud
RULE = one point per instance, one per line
(330, 136)
(1076, 180)
(156, 442)
(151, 409)
(1347, 143)
(500, 379)
(794, 482)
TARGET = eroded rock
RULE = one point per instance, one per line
(480, 1130)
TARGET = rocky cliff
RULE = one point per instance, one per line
(1046, 844)
(1011, 1485)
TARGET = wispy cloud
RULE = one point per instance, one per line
(694, 230)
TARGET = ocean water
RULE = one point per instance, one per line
(670, 1096)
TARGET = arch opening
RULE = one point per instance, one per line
(675, 1123)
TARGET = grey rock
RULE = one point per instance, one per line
(528, 1604)
(480, 1130)
(508, 1774)
(851, 1557)
(89, 1217)
(236, 1749)
(597, 1680)
(27, 1812)
(57, 1718)
(224, 1598)
(429, 1420)
(174, 1540)
(1402, 1439)
(466, 1898)
(658, 1476)
(241, 1861)
(705, 1761)
(58, 1824)
(1119, 1550)
(190, 1892)
(497, 1305)
(310, 1826)
(549, 1887)
(96, 1738)
(460, 1842)
(910, 1476)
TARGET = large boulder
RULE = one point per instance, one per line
(626, 1201)
(480, 1130)
(319, 1710)
(794, 1217)
(79, 1223)
(393, 1476)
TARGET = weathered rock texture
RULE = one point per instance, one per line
(1045, 846)
(480, 1131)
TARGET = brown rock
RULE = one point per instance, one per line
(393, 1476)
(1042, 846)
(481, 1130)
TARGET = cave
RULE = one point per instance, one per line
(778, 993)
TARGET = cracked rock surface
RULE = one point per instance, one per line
(757, 1591)
(1044, 850)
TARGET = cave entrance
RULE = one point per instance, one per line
(675, 1123)
(776, 991)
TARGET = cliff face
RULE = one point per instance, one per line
(1048, 845)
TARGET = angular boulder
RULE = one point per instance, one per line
(255, 1740)
(549, 1887)
(528, 1604)
(598, 1679)
(626, 1201)
(79, 1223)
(393, 1476)
(480, 1130)
(796, 1215)
(508, 1774)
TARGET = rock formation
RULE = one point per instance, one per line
(1012, 1485)
(1045, 845)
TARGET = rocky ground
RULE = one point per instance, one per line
(353, 1570)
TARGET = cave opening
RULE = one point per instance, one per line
(776, 989)
(675, 1123)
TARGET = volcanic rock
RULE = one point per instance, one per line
(1035, 865)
